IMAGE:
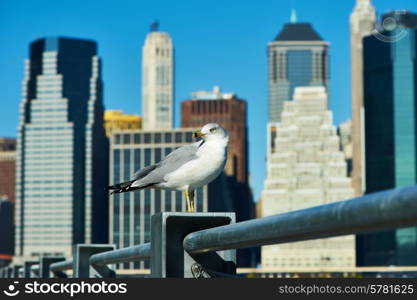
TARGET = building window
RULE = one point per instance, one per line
(178, 201)
(126, 139)
(136, 161)
(157, 138)
(116, 219)
(168, 138)
(274, 66)
(157, 201)
(116, 163)
(147, 219)
(168, 201)
(178, 137)
(117, 139)
(157, 155)
(137, 138)
(199, 199)
(136, 218)
(147, 137)
(147, 156)
(126, 220)
(299, 68)
(324, 66)
(126, 155)
(188, 137)
(281, 66)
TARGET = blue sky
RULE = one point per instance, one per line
(216, 43)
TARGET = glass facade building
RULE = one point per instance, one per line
(390, 101)
(130, 213)
(62, 151)
(296, 57)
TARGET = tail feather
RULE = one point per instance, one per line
(125, 187)
(119, 187)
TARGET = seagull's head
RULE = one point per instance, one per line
(212, 131)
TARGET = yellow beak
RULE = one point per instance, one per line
(198, 134)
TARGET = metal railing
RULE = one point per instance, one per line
(129, 254)
(182, 244)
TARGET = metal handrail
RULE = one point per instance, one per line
(383, 210)
(61, 266)
(129, 254)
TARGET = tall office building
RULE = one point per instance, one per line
(117, 120)
(390, 102)
(362, 22)
(307, 169)
(298, 56)
(62, 151)
(158, 81)
(130, 213)
(7, 168)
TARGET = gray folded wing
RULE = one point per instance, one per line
(143, 172)
(156, 173)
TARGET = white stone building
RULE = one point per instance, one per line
(362, 23)
(307, 169)
(158, 81)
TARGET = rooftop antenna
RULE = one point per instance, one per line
(293, 18)
(154, 26)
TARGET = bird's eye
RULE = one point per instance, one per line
(213, 130)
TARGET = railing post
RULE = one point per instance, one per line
(45, 262)
(168, 257)
(16, 271)
(9, 272)
(27, 268)
(34, 271)
(81, 256)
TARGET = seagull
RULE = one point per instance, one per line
(186, 168)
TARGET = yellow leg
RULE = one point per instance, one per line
(192, 202)
(187, 198)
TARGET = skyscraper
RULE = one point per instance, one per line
(62, 152)
(362, 22)
(298, 56)
(158, 80)
(390, 102)
(307, 169)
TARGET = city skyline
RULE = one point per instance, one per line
(194, 51)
